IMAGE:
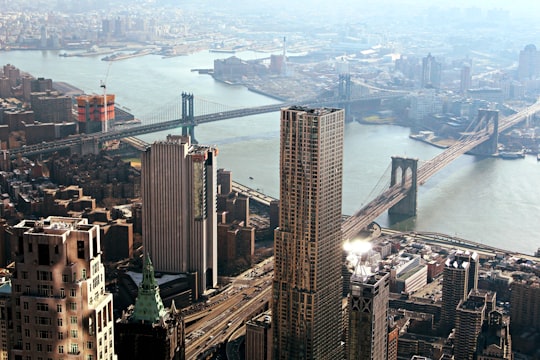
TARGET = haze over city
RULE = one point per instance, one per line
(269, 179)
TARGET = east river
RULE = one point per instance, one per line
(489, 200)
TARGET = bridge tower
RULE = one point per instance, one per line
(344, 94)
(402, 168)
(487, 121)
(188, 117)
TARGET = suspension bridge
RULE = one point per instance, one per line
(399, 198)
(181, 114)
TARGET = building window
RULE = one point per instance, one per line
(60, 336)
(42, 307)
(73, 292)
(25, 274)
(62, 293)
(89, 345)
(73, 320)
(65, 278)
(74, 349)
(73, 306)
(80, 249)
(26, 319)
(42, 334)
(49, 348)
(59, 308)
(60, 349)
(25, 305)
(60, 322)
(44, 275)
(27, 332)
(74, 334)
(27, 346)
(39, 347)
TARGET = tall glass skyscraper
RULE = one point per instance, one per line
(306, 307)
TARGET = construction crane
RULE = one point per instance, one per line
(104, 127)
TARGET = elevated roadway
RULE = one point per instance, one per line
(215, 323)
(393, 195)
(163, 125)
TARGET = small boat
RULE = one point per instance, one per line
(511, 154)
(251, 178)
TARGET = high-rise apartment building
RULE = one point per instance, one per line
(60, 306)
(529, 63)
(470, 315)
(259, 337)
(525, 304)
(460, 275)
(306, 307)
(431, 72)
(367, 337)
(178, 186)
(93, 113)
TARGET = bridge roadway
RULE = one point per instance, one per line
(73, 141)
(363, 217)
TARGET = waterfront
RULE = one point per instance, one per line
(487, 200)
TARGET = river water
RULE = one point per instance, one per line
(493, 201)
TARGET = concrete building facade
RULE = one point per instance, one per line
(259, 337)
(60, 306)
(306, 307)
(367, 337)
(178, 186)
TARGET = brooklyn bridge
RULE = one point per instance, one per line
(400, 198)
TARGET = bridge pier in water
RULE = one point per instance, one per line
(188, 117)
(485, 120)
(402, 169)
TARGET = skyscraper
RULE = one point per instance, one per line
(460, 275)
(61, 308)
(470, 315)
(529, 63)
(178, 182)
(367, 336)
(431, 72)
(525, 304)
(306, 307)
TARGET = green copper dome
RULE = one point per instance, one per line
(148, 306)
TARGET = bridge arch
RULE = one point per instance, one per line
(404, 172)
(487, 121)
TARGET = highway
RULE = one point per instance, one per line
(248, 295)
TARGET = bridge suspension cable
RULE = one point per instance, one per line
(381, 186)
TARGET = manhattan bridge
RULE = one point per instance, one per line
(407, 174)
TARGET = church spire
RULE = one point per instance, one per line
(148, 306)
